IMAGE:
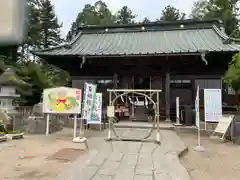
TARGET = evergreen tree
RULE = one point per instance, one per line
(34, 28)
(146, 20)
(125, 16)
(170, 13)
(97, 14)
(73, 31)
(50, 29)
(103, 13)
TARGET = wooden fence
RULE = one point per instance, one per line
(26, 111)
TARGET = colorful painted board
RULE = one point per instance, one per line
(62, 100)
(88, 103)
(97, 110)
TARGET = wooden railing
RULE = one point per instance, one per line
(24, 111)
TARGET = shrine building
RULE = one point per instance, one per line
(174, 56)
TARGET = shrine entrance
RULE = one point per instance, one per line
(147, 94)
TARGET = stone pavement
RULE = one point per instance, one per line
(125, 160)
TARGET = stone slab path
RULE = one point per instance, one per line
(125, 160)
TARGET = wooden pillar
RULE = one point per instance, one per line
(167, 96)
(115, 81)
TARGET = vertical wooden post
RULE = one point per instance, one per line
(167, 96)
(115, 81)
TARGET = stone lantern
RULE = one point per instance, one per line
(9, 83)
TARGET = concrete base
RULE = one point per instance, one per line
(168, 121)
(3, 138)
(81, 140)
(199, 148)
(17, 136)
(177, 124)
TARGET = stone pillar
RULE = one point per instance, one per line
(167, 96)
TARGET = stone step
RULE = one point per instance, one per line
(143, 125)
(140, 118)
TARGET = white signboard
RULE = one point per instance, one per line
(89, 98)
(62, 100)
(212, 105)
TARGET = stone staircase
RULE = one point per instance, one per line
(140, 114)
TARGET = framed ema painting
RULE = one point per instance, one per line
(62, 100)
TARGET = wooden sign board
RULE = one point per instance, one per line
(223, 125)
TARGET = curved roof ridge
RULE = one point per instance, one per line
(159, 23)
(66, 45)
(224, 36)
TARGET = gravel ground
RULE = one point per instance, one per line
(27, 159)
(220, 161)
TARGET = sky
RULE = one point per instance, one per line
(67, 10)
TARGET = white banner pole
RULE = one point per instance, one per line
(75, 126)
(81, 127)
(47, 124)
(197, 119)
(177, 113)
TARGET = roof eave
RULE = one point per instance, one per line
(138, 55)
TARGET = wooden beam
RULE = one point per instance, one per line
(167, 96)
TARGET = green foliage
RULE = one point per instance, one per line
(232, 76)
(41, 76)
(226, 10)
(146, 20)
(34, 27)
(170, 13)
(38, 75)
(97, 14)
(125, 16)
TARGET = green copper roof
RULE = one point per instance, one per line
(147, 39)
